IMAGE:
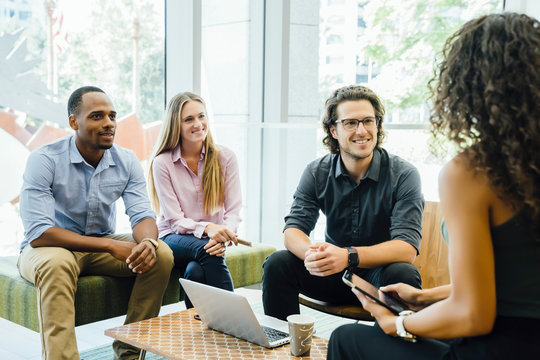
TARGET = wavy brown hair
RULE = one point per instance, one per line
(350, 93)
(487, 101)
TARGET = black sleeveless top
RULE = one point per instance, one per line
(517, 267)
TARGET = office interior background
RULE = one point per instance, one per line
(264, 68)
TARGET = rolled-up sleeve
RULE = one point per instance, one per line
(305, 208)
(37, 201)
(406, 218)
(135, 196)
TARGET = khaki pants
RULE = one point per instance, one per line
(55, 271)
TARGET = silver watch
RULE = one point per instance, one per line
(400, 329)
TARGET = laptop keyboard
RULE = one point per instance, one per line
(273, 334)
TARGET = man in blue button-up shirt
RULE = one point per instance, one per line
(373, 205)
(69, 215)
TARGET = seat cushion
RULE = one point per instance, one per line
(245, 263)
(102, 297)
(97, 297)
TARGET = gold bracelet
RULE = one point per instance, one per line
(152, 241)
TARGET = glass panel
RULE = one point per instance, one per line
(225, 78)
(390, 46)
(50, 48)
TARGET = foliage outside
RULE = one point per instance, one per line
(406, 38)
(100, 53)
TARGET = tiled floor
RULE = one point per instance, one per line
(20, 343)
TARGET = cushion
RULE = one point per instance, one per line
(102, 297)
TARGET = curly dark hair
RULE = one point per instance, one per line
(348, 93)
(487, 101)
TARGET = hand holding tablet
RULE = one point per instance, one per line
(394, 305)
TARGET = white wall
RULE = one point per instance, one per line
(529, 7)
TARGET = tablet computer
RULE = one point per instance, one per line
(391, 303)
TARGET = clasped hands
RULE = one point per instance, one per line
(323, 259)
(139, 257)
(220, 237)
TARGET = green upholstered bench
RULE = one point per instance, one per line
(102, 297)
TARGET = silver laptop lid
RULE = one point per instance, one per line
(227, 312)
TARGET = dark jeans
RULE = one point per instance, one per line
(189, 254)
(511, 338)
(285, 276)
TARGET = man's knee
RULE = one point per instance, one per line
(401, 272)
(164, 258)
(279, 264)
(52, 264)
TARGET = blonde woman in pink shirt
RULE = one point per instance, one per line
(195, 189)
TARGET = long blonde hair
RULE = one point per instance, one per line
(170, 137)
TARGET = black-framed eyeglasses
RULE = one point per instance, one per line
(369, 123)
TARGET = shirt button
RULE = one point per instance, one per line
(90, 213)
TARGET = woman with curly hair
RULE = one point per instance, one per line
(487, 101)
(195, 188)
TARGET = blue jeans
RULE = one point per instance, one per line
(189, 254)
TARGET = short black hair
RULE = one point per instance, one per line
(75, 99)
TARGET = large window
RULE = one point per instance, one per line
(264, 68)
(395, 45)
(48, 48)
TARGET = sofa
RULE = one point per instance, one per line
(102, 297)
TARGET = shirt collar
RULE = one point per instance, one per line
(177, 153)
(340, 171)
(75, 156)
(375, 166)
(373, 170)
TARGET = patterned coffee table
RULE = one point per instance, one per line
(180, 336)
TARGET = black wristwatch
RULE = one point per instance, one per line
(353, 257)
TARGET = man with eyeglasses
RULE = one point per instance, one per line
(373, 205)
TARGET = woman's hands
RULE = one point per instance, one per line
(219, 236)
(220, 233)
(385, 318)
(216, 248)
(407, 293)
(410, 295)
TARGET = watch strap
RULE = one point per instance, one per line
(353, 260)
(400, 328)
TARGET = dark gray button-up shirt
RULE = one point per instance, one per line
(387, 204)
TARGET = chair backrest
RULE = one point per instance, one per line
(432, 262)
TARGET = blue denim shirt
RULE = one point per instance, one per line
(61, 189)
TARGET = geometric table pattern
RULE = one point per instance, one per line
(180, 336)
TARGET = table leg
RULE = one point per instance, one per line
(142, 355)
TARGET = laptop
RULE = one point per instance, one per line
(230, 313)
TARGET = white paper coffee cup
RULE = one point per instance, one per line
(301, 331)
